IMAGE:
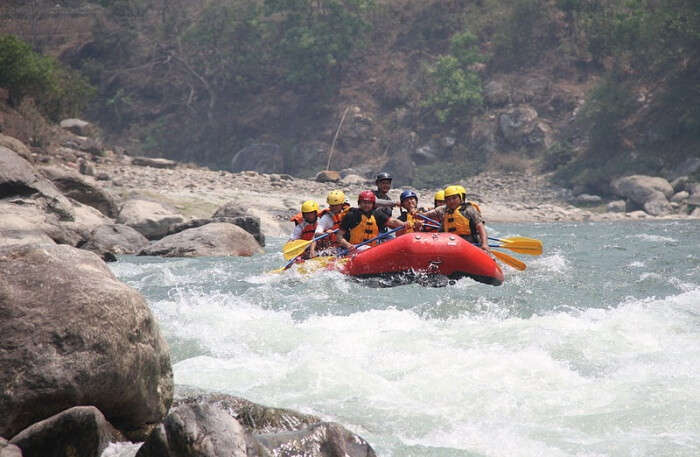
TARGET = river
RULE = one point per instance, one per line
(594, 350)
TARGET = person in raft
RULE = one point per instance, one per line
(409, 208)
(461, 217)
(439, 199)
(364, 223)
(305, 224)
(329, 220)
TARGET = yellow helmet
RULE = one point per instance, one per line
(335, 197)
(453, 190)
(462, 191)
(309, 206)
(439, 195)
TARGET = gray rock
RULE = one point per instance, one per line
(325, 439)
(327, 176)
(250, 224)
(617, 206)
(588, 199)
(695, 213)
(19, 178)
(117, 239)
(210, 240)
(78, 127)
(517, 124)
(265, 431)
(81, 431)
(151, 219)
(641, 188)
(200, 430)
(694, 199)
(154, 162)
(16, 145)
(9, 450)
(448, 142)
(680, 196)
(639, 214)
(72, 334)
(425, 154)
(74, 186)
(496, 93)
(658, 206)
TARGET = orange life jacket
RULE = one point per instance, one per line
(457, 223)
(365, 230)
(331, 239)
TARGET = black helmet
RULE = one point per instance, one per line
(382, 176)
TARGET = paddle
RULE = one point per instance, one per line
(512, 261)
(295, 248)
(519, 244)
(378, 237)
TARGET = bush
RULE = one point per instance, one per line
(58, 91)
(456, 90)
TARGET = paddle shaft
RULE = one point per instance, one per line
(380, 236)
(293, 259)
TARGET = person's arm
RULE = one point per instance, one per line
(296, 233)
(483, 236)
(381, 203)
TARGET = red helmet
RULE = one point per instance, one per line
(366, 195)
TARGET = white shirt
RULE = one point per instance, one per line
(325, 223)
(296, 233)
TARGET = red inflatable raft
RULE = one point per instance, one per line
(426, 253)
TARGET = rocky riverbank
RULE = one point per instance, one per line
(82, 362)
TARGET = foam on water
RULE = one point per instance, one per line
(583, 354)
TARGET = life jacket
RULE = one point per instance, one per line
(365, 230)
(331, 239)
(457, 223)
(307, 233)
(409, 219)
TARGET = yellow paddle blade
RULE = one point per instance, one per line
(522, 245)
(294, 248)
(512, 261)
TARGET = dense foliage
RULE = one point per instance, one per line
(57, 90)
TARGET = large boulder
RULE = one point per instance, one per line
(210, 240)
(641, 188)
(18, 178)
(517, 124)
(200, 430)
(115, 239)
(81, 431)
(79, 127)
(230, 209)
(16, 145)
(327, 176)
(262, 157)
(151, 219)
(259, 429)
(9, 450)
(33, 218)
(250, 224)
(76, 187)
(72, 334)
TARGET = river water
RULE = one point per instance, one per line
(594, 350)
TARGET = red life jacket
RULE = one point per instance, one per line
(307, 233)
